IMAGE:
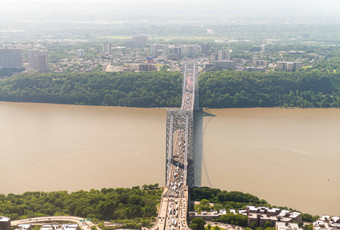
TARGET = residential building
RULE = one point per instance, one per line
(24, 227)
(287, 226)
(263, 50)
(140, 41)
(205, 49)
(38, 60)
(107, 47)
(189, 50)
(224, 54)
(292, 66)
(158, 49)
(5, 223)
(137, 42)
(281, 65)
(260, 215)
(327, 223)
(32, 58)
(42, 62)
(289, 66)
(80, 53)
(257, 62)
(177, 51)
(10, 58)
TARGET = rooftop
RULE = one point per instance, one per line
(4, 219)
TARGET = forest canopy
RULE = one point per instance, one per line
(219, 89)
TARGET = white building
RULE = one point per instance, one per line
(38, 60)
(327, 223)
(224, 54)
(24, 227)
(80, 53)
(287, 226)
(107, 47)
(5, 223)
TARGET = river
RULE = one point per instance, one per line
(289, 157)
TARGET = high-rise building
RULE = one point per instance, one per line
(107, 47)
(263, 49)
(38, 60)
(177, 51)
(293, 66)
(281, 65)
(224, 54)
(258, 62)
(10, 58)
(189, 50)
(42, 62)
(140, 41)
(80, 53)
(5, 223)
(32, 58)
(158, 49)
(290, 66)
(205, 49)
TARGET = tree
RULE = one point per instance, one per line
(253, 224)
(269, 228)
(193, 226)
(267, 224)
(307, 217)
(204, 202)
(197, 223)
(315, 218)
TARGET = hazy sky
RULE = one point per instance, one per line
(26, 9)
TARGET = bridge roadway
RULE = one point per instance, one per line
(174, 204)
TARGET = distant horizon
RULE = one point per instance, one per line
(221, 11)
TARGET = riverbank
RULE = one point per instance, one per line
(220, 89)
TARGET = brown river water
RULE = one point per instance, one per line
(289, 157)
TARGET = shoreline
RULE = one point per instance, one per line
(129, 107)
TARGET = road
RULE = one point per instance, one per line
(174, 204)
(86, 225)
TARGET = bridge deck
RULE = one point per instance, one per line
(179, 157)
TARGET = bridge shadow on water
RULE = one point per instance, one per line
(199, 162)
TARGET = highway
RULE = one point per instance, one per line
(86, 225)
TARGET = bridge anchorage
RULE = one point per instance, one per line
(179, 175)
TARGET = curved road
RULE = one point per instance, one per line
(86, 225)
